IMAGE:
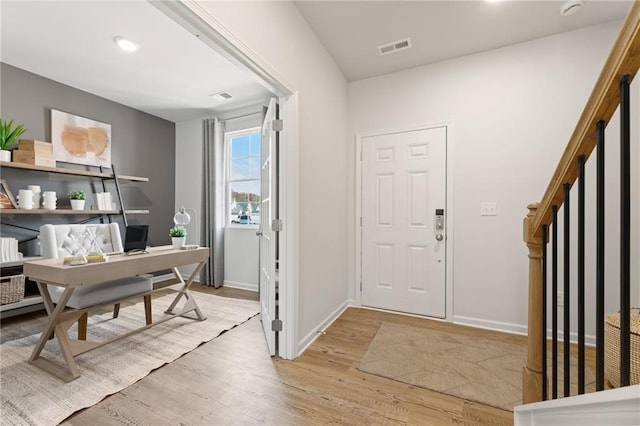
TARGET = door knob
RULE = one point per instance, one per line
(439, 237)
(259, 233)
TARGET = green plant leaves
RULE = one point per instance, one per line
(9, 134)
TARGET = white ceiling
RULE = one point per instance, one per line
(171, 76)
(439, 30)
(173, 73)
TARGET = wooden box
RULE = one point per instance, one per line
(38, 147)
(30, 157)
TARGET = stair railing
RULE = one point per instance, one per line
(610, 93)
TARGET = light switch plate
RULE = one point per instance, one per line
(488, 208)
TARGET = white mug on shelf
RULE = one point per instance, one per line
(49, 200)
(25, 199)
(36, 195)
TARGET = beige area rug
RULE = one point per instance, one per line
(30, 396)
(481, 370)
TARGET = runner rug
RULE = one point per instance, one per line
(472, 368)
(30, 396)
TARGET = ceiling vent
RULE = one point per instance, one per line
(222, 96)
(396, 46)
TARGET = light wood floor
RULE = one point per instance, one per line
(232, 381)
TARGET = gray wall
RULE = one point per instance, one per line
(142, 145)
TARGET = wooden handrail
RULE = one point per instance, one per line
(602, 104)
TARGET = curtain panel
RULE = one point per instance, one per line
(214, 201)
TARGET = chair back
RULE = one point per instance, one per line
(63, 240)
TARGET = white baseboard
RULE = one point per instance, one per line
(504, 327)
(241, 286)
(589, 339)
(610, 407)
(313, 335)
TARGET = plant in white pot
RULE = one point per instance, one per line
(8, 136)
(77, 200)
(178, 236)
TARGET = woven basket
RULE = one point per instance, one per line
(612, 347)
(11, 289)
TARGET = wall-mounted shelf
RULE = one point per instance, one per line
(69, 212)
(75, 172)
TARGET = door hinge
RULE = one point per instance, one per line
(276, 325)
(276, 225)
(360, 285)
(277, 125)
(360, 155)
(360, 221)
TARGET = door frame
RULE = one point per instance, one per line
(191, 16)
(449, 209)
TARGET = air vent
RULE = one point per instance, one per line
(396, 46)
(222, 96)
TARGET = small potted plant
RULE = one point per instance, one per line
(8, 136)
(178, 236)
(77, 200)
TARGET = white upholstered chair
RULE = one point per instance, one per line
(58, 241)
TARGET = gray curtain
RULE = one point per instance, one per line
(214, 196)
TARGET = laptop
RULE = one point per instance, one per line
(135, 239)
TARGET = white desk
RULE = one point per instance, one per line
(54, 272)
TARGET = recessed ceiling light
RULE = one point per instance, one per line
(571, 7)
(125, 44)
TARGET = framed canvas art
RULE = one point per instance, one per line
(80, 140)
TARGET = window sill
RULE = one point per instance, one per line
(239, 226)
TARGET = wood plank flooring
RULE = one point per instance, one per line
(232, 381)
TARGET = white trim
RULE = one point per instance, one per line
(610, 407)
(288, 240)
(448, 125)
(314, 334)
(193, 17)
(491, 325)
(242, 286)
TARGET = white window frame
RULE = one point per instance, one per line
(228, 136)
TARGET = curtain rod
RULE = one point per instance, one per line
(241, 116)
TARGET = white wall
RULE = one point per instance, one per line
(241, 261)
(278, 34)
(512, 112)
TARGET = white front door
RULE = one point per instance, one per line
(269, 203)
(403, 221)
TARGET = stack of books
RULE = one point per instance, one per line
(103, 201)
(36, 153)
(91, 258)
(9, 250)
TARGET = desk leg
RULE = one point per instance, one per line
(54, 324)
(190, 304)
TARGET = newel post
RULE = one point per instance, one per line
(532, 372)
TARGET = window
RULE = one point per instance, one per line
(243, 176)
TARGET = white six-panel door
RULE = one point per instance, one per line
(403, 251)
(268, 296)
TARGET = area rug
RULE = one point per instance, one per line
(476, 369)
(30, 396)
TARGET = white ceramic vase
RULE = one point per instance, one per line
(5, 155)
(77, 204)
(178, 242)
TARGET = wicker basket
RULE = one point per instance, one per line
(612, 347)
(11, 289)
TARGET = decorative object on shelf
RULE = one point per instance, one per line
(36, 153)
(8, 136)
(37, 193)
(103, 200)
(80, 140)
(49, 200)
(178, 236)
(6, 197)
(25, 199)
(77, 200)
